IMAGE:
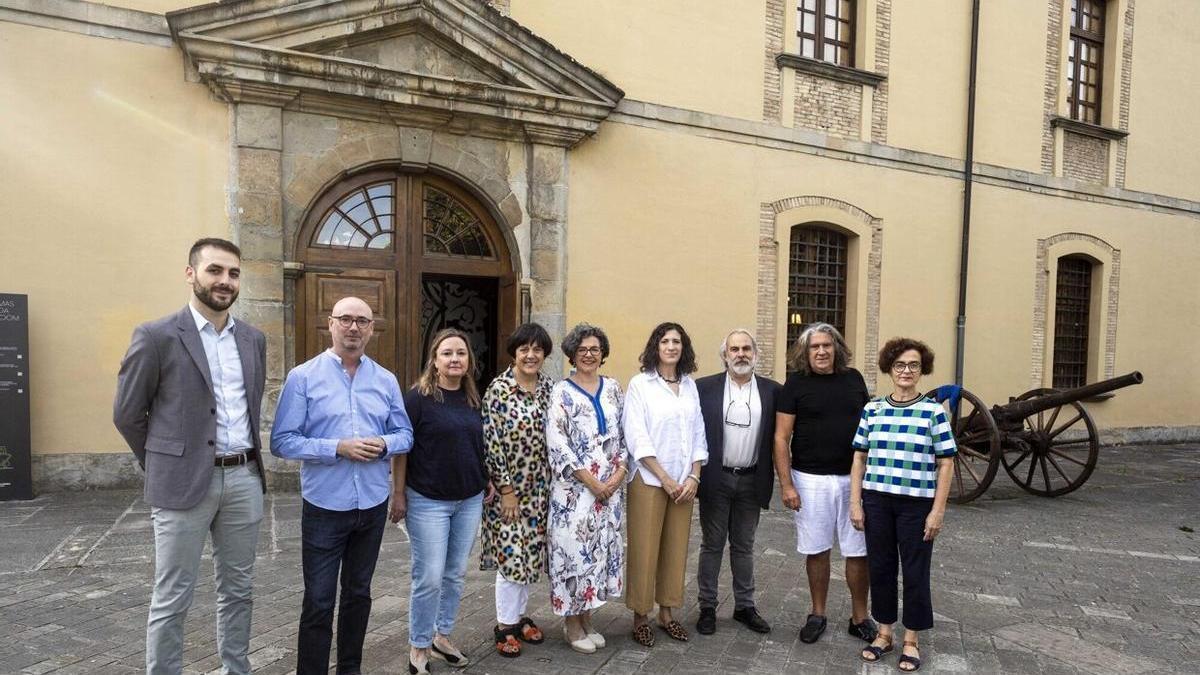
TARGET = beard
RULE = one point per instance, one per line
(741, 368)
(204, 295)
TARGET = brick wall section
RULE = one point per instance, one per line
(1041, 300)
(883, 52)
(1123, 102)
(768, 285)
(1051, 81)
(1085, 158)
(772, 77)
(828, 105)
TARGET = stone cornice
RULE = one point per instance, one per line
(89, 18)
(263, 51)
(766, 135)
(1088, 129)
(829, 70)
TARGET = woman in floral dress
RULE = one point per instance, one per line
(514, 526)
(587, 462)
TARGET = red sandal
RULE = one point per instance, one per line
(507, 644)
(529, 632)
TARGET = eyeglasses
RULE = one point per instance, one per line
(345, 321)
(594, 351)
(738, 414)
(900, 366)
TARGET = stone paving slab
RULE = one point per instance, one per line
(1104, 580)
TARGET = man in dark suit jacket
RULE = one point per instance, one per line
(739, 423)
(188, 400)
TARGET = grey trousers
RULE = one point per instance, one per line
(728, 511)
(230, 511)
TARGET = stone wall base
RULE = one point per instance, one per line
(109, 471)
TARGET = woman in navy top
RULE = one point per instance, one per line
(438, 488)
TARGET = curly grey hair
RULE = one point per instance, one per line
(582, 331)
(798, 358)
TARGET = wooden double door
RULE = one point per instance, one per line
(423, 253)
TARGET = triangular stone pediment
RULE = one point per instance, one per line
(440, 63)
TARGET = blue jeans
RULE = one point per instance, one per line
(348, 540)
(441, 534)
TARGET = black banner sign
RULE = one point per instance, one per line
(16, 479)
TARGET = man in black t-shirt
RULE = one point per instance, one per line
(817, 413)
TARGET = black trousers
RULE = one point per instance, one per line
(729, 512)
(895, 532)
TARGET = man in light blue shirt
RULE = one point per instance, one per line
(342, 415)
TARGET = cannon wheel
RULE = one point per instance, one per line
(978, 441)
(1056, 452)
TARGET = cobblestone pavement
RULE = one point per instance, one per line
(1106, 579)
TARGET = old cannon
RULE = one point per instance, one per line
(1045, 438)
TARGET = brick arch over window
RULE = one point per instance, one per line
(865, 241)
(1102, 349)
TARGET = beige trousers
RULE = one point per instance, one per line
(658, 531)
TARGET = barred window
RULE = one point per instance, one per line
(1085, 63)
(816, 279)
(1072, 304)
(826, 30)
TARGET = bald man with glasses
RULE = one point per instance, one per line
(739, 424)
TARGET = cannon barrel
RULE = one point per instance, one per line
(1018, 410)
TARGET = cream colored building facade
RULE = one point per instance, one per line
(628, 162)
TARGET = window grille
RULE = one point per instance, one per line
(1072, 304)
(451, 229)
(826, 30)
(816, 279)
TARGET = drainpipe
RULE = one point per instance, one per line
(960, 338)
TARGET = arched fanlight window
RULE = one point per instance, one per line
(365, 218)
(451, 229)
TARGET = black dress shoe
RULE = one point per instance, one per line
(707, 623)
(812, 629)
(865, 631)
(749, 616)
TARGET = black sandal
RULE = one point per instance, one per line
(507, 644)
(876, 652)
(914, 661)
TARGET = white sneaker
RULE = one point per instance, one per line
(597, 640)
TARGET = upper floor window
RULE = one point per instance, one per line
(817, 268)
(826, 30)
(1086, 60)
(1072, 309)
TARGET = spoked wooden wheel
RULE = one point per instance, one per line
(978, 441)
(1057, 450)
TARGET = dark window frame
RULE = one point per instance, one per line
(1086, 17)
(819, 39)
(818, 277)
(1073, 292)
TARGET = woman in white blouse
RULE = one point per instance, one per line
(665, 435)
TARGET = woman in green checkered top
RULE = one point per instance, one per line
(899, 483)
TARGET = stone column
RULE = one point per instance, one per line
(256, 220)
(547, 167)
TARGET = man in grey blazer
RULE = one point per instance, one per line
(189, 394)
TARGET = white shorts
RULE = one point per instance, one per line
(824, 512)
